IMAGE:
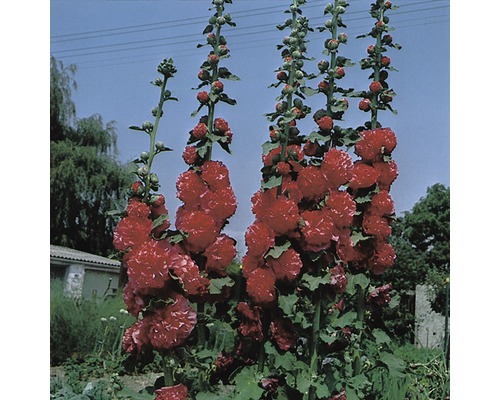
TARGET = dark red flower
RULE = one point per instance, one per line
(382, 204)
(340, 207)
(338, 279)
(283, 333)
(317, 229)
(136, 339)
(388, 172)
(171, 325)
(131, 232)
(200, 131)
(312, 183)
(339, 396)
(259, 238)
(382, 258)
(250, 325)
(272, 158)
(283, 168)
(325, 123)
(215, 174)
(287, 266)
(147, 264)
(250, 264)
(260, 286)
(310, 148)
(377, 226)
(190, 188)
(380, 296)
(134, 302)
(363, 176)
(221, 125)
(203, 97)
(188, 274)
(190, 155)
(220, 254)
(374, 144)
(201, 229)
(177, 392)
(337, 167)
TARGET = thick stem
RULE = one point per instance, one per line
(315, 339)
(168, 373)
(360, 309)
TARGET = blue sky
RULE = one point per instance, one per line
(118, 44)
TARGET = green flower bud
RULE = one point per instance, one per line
(329, 7)
(142, 171)
(154, 179)
(144, 156)
(340, 10)
(147, 126)
(221, 20)
(160, 146)
(299, 74)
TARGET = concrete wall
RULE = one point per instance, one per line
(429, 325)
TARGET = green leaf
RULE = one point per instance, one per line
(395, 365)
(312, 282)
(127, 393)
(160, 220)
(346, 319)
(268, 146)
(357, 237)
(216, 284)
(247, 384)
(208, 29)
(211, 396)
(287, 303)
(177, 238)
(272, 182)
(136, 128)
(360, 280)
(309, 91)
(380, 336)
(277, 251)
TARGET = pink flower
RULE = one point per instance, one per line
(136, 339)
(188, 273)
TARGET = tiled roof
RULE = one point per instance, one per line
(66, 253)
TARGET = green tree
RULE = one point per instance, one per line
(86, 180)
(421, 238)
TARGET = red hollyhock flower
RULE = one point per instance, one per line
(310, 148)
(382, 204)
(376, 226)
(380, 296)
(190, 188)
(221, 204)
(251, 325)
(283, 333)
(190, 155)
(136, 339)
(338, 279)
(365, 105)
(158, 209)
(340, 396)
(283, 168)
(147, 264)
(170, 326)
(375, 143)
(317, 230)
(132, 299)
(260, 286)
(136, 187)
(375, 87)
(282, 215)
(201, 229)
(259, 238)
(348, 252)
(177, 392)
(388, 172)
(250, 264)
(325, 123)
(382, 258)
(136, 208)
(341, 208)
(337, 167)
(217, 86)
(200, 131)
(188, 273)
(215, 174)
(220, 254)
(221, 125)
(272, 158)
(131, 232)
(287, 266)
(312, 183)
(363, 176)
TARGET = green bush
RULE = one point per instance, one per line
(79, 328)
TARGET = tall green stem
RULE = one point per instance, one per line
(315, 339)
(360, 310)
(376, 72)
(152, 135)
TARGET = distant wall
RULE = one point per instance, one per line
(429, 325)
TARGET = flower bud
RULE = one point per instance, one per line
(211, 38)
(323, 87)
(328, 23)
(375, 87)
(157, 82)
(203, 97)
(299, 74)
(332, 44)
(203, 75)
(365, 105)
(288, 89)
(329, 7)
(217, 87)
(154, 179)
(147, 126)
(144, 156)
(282, 76)
(340, 10)
(385, 61)
(155, 111)
(222, 50)
(160, 146)
(221, 20)
(112, 319)
(142, 171)
(323, 65)
(342, 38)
(387, 39)
(339, 72)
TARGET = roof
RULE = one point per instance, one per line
(65, 253)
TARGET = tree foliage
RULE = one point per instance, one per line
(86, 180)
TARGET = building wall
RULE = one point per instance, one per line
(429, 325)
